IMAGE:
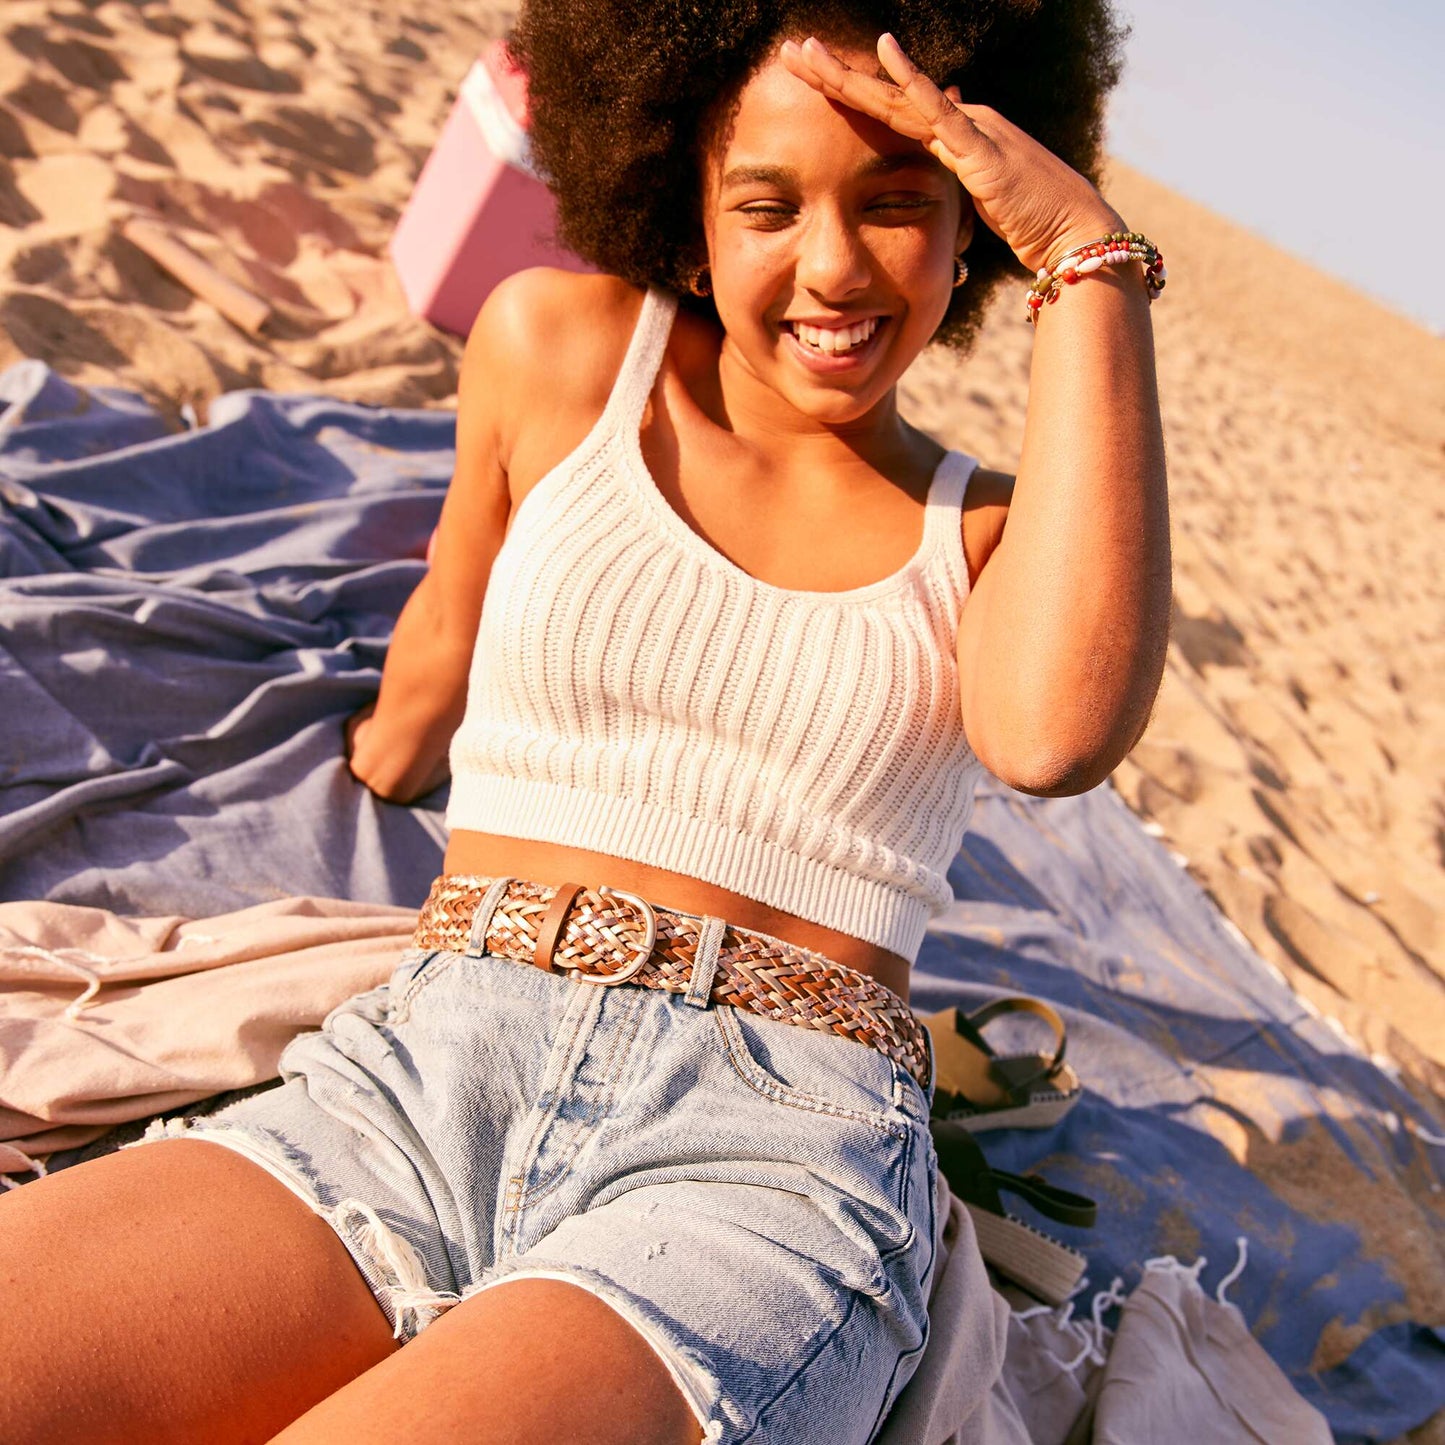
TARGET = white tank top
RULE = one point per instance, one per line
(636, 693)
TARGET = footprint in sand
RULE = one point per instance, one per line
(13, 140)
(43, 265)
(84, 21)
(48, 103)
(332, 142)
(92, 67)
(1211, 640)
(41, 327)
(211, 52)
(15, 210)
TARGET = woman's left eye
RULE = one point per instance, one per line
(901, 203)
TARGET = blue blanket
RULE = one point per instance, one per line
(187, 619)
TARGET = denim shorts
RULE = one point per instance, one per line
(755, 1198)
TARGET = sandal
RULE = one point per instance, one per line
(979, 1089)
(1047, 1269)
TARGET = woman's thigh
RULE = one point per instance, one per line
(530, 1362)
(175, 1292)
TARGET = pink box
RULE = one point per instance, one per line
(478, 213)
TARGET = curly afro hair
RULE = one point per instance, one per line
(624, 93)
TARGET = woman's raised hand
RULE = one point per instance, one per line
(1039, 205)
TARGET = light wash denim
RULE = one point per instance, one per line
(756, 1198)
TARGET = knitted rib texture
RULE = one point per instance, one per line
(634, 692)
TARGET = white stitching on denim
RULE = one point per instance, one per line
(427, 971)
(757, 1078)
(509, 1214)
(622, 1040)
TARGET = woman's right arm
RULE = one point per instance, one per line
(539, 366)
(398, 748)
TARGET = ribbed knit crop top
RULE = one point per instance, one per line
(634, 692)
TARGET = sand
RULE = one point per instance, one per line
(1296, 756)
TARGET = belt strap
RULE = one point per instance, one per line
(606, 937)
(554, 920)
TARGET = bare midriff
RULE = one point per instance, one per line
(492, 856)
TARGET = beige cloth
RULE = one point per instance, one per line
(1179, 1356)
(185, 1008)
(105, 1020)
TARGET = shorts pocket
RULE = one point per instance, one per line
(808, 1069)
(416, 969)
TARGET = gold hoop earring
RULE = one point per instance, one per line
(960, 272)
(699, 282)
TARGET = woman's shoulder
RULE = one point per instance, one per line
(556, 329)
(540, 362)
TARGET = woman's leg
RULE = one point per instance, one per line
(175, 1292)
(529, 1362)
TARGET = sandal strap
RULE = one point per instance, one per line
(971, 1025)
(1018, 1076)
(974, 1181)
(1063, 1206)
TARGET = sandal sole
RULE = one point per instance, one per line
(1043, 1111)
(1048, 1270)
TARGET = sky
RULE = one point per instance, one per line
(1320, 126)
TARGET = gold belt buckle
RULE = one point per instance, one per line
(644, 951)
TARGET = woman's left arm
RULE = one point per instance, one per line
(1062, 642)
(1061, 645)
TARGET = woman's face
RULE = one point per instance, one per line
(831, 242)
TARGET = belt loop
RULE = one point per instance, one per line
(482, 918)
(704, 963)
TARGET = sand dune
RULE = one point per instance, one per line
(1296, 757)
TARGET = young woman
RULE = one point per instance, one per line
(634, 1146)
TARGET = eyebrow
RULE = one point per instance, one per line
(881, 165)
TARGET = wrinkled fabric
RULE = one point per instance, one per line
(185, 622)
(187, 619)
(105, 1019)
(960, 1393)
(1184, 1366)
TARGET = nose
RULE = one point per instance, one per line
(832, 262)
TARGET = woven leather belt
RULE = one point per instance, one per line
(607, 937)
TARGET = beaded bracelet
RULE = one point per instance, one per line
(1115, 249)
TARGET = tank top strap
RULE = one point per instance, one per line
(641, 363)
(944, 515)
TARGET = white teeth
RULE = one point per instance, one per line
(833, 339)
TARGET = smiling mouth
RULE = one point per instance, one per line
(833, 340)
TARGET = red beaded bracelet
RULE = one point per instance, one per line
(1115, 249)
